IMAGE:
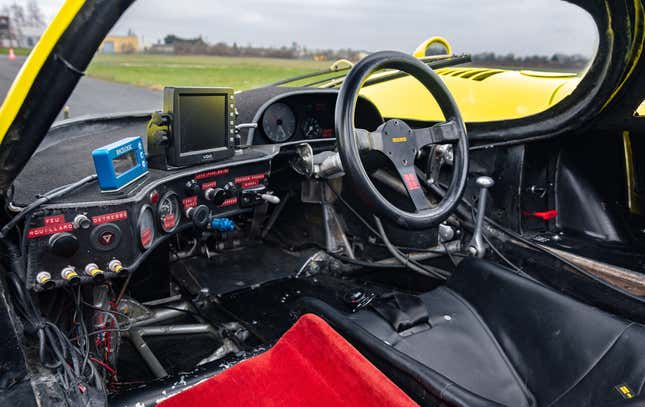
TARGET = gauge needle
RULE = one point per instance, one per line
(284, 133)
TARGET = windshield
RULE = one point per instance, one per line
(523, 66)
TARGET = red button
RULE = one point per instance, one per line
(106, 238)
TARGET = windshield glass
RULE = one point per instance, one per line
(497, 71)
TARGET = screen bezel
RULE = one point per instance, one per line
(172, 105)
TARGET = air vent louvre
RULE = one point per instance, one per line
(470, 73)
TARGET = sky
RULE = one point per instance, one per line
(522, 27)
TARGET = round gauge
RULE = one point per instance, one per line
(279, 122)
(146, 227)
(169, 212)
(311, 129)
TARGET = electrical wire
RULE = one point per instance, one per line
(353, 211)
(406, 261)
(55, 193)
(364, 263)
(374, 231)
(55, 350)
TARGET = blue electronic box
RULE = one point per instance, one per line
(120, 163)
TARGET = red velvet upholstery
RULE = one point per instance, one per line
(311, 365)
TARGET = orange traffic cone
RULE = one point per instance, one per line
(12, 55)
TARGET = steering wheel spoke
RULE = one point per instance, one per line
(441, 133)
(413, 186)
(369, 140)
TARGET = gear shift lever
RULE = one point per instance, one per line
(476, 246)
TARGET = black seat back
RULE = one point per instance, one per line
(568, 353)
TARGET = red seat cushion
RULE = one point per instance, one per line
(311, 365)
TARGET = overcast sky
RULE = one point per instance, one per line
(503, 26)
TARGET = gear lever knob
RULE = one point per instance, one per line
(476, 247)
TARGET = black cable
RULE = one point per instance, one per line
(452, 259)
(353, 211)
(44, 199)
(374, 231)
(421, 250)
(363, 263)
(406, 261)
(52, 343)
(108, 311)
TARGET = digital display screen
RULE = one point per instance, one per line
(203, 122)
(124, 163)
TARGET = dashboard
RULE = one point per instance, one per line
(306, 116)
(90, 235)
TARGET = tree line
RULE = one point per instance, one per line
(198, 46)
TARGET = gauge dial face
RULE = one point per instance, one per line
(169, 212)
(311, 129)
(146, 227)
(279, 122)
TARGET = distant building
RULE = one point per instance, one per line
(161, 49)
(119, 44)
(29, 36)
(23, 36)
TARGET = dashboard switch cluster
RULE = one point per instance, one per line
(70, 275)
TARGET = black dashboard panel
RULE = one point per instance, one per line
(311, 109)
(88, 227)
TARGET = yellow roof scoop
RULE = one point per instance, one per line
(439, 45)
(341, 64)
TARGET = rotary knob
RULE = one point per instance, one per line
(199, 215)
(63, 244)
(216, 195)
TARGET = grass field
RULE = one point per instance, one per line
(156, 71)
(18, 51)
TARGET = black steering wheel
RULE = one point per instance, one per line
(400, 143)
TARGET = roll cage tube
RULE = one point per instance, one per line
(400, 143)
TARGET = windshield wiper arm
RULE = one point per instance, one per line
(432, 62)
(341, 65)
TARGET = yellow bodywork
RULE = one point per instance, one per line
(37, 57)
(483, 94)
(641, 110)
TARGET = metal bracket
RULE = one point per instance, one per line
(319, 192)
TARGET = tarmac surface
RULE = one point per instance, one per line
(91, 96)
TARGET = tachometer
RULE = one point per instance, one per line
(279, 122)
(311, 128)
(169, 212)
(146, 227)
